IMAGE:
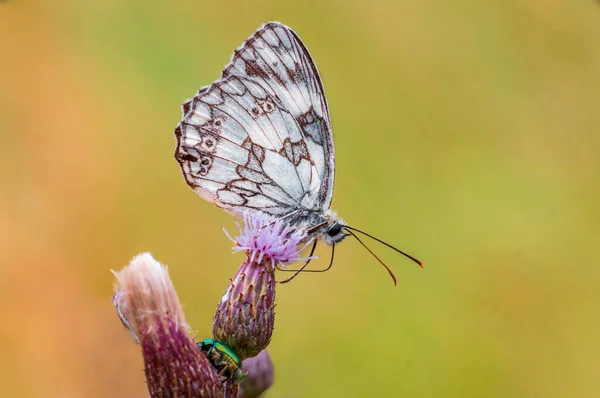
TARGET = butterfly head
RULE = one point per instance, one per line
(334, 229)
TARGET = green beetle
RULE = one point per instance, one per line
(223, 359)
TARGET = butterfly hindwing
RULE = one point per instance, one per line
(226, 148)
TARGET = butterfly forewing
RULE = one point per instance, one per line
(260, 137)
(277, 58)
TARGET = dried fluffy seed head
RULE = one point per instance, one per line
(148, 306)
(259, 375)
(269, 242)
(145, 292)
(246, 314)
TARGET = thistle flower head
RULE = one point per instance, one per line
(245, 316)
(148, 306)
(269, 242)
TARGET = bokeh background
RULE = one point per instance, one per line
(467, 133)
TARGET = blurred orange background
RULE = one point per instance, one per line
(466, 133)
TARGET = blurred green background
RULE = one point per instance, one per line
(467, 133)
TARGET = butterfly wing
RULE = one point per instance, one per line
(260, 136)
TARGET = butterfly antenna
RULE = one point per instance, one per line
(383, 243)
(375, 255)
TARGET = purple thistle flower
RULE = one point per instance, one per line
(276, 242)
(148, 306)
(245, 316)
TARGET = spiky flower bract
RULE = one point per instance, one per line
(259, 375)
(245, 316)
(148, 306)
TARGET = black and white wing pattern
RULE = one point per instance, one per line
(260, 136)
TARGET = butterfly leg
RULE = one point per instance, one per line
(310, 257)
(301, 269)
(297, 272)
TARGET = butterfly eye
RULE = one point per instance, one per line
(335, 229)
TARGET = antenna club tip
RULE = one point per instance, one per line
(421, 265)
